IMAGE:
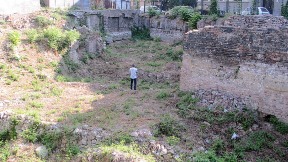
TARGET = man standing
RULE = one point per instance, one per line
(133, 75)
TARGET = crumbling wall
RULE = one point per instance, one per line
(117, 24)
(245, 62)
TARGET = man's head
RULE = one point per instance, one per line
(133, 65)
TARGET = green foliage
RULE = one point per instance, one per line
(119, 137)
(174, 55)
(58, 40)
(152, 12)
(254, 142)
(168, 126)
(218, 145)
(32, 35)
(14, 38)
(213, 7)
(278, 125)
(72, 150)
(172, 140)
(12, 76)
(254, 10)
(71, 65)
(54, 36)
(31, 134)
(9, 134)
(55, 91)
(50, 139)
(43, 21)
(140, 33)
(186, 103)
(211, 156)
(194, 19)
(284, 10)
(162, 95)
(132, 151)
(4, 151)
(36, 104)
(183, 12)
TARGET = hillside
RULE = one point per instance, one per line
(87, 112)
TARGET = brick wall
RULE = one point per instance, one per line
(246, 58)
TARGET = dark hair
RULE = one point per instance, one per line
(133, 65)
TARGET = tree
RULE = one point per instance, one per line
(284, 10)
(213, 8)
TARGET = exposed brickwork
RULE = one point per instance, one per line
(245, 58)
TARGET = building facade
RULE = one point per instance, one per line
(17, 6)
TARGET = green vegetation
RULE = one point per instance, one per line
(59, 40)
(152, 12)
(43, 21)
(140, 33)
(32, 35)
(162, 95)
(131, 151)
(278, 125)
(14, 38)
(284, 10)
(186, 103)
(168, 126)
(213, 10)
(193, 20)
(172, 140)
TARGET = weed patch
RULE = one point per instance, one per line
(140, 33)
(278, 125)
(168, 126)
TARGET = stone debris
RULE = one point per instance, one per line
(41, 152)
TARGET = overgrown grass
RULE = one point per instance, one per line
(43, 21)
(140, 33)
(168, 126)
(14, 38)
(278, 125)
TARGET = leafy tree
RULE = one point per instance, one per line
(284, 10)
(213, 8)
(254, 8)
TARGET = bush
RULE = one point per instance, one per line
(14, 38)
(193, 20)
(32, 35)
(140, 33)
(168, 126)
(172, 140)
(152, 12)
(54, 36)
(43, 21)
(186, 103)
(162, 95)
(183, 12)
(58, 40)
(213, 8)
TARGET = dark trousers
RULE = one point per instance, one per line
(135, 83)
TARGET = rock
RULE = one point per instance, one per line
(41, 152)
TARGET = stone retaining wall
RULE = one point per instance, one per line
(117, 24)
(247, 62)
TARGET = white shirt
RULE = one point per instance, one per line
(133, 73)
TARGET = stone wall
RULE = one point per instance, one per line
(117, 24)
(16, 6)
(240, 60)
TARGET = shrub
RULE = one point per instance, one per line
(213, 7)
(254, 142)
(152, 12)
(193, 20)
(54, 36)
(50, 139)
(58, 40)
(162, 95)
(43, 21)
(30, 134)
(168, 126)
(32, 35)
(14, 38)
(72, 150)
(186, 103)
(172, 140)
(181, 11)
(140, 33)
